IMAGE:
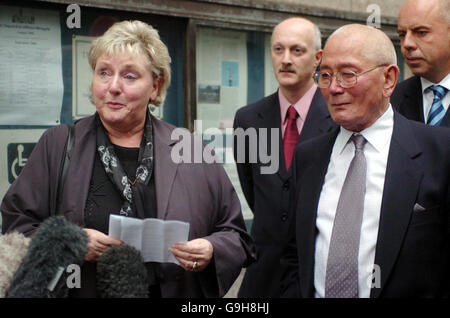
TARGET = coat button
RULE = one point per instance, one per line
(284, 216)
(286, 186)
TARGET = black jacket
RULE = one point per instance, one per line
(407, 100)
(268, 194)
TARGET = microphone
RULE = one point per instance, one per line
(55, 245)
(121, 273)
(13, 247)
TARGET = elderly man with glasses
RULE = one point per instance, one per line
(372, 198)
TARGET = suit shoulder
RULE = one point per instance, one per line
(431, 137)
(409, 81)
(430, 131)
(161, 125)
(55, 133)
(316, 142)
(253, 108)
(312, 151)
(409, 84)
(408, 87)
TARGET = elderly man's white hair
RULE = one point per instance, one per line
(375, 45)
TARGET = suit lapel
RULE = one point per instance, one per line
(402, 182)
(318, 120)
(310, 188)
(446, 120)
(412, 106)
(165, 168)
(270, 118)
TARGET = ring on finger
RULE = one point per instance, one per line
(194, 265)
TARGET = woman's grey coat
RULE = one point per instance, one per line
(200, 194)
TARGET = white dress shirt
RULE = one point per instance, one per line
(376, 152)
(428, 95)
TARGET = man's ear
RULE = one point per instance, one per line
(318, 58)
(391, 74)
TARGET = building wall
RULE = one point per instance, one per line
(389, 8)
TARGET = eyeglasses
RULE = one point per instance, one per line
(345, 79)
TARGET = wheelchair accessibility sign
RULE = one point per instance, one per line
(18, 154)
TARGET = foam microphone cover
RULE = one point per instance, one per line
(56, 244)
(121, 273)
(13, 247)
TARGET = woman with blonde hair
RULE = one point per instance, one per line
(121, 163)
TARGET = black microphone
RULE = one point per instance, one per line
(13, 247)
(121, 273)
(55, 245)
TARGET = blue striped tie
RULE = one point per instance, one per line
(437, 111)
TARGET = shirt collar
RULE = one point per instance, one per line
(302, 105)
(378, 134)
(426, 83)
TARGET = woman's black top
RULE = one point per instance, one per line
(104, 199)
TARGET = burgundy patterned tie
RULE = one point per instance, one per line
(290, 136)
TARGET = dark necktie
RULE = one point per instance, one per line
(290, 136)
(437, 111)
(342, 265)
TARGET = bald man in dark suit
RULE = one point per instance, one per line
(423, 28)
(372, 197)
(296, 52)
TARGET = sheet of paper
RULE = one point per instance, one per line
(221, 75)
(159, 235)
(131, 232)
(81, 77)
(152, 237)
(31, 84)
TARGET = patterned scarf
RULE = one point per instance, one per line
(115, 171)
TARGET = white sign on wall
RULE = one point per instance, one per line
(81, 77)
(15, 148)
(31, 85)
